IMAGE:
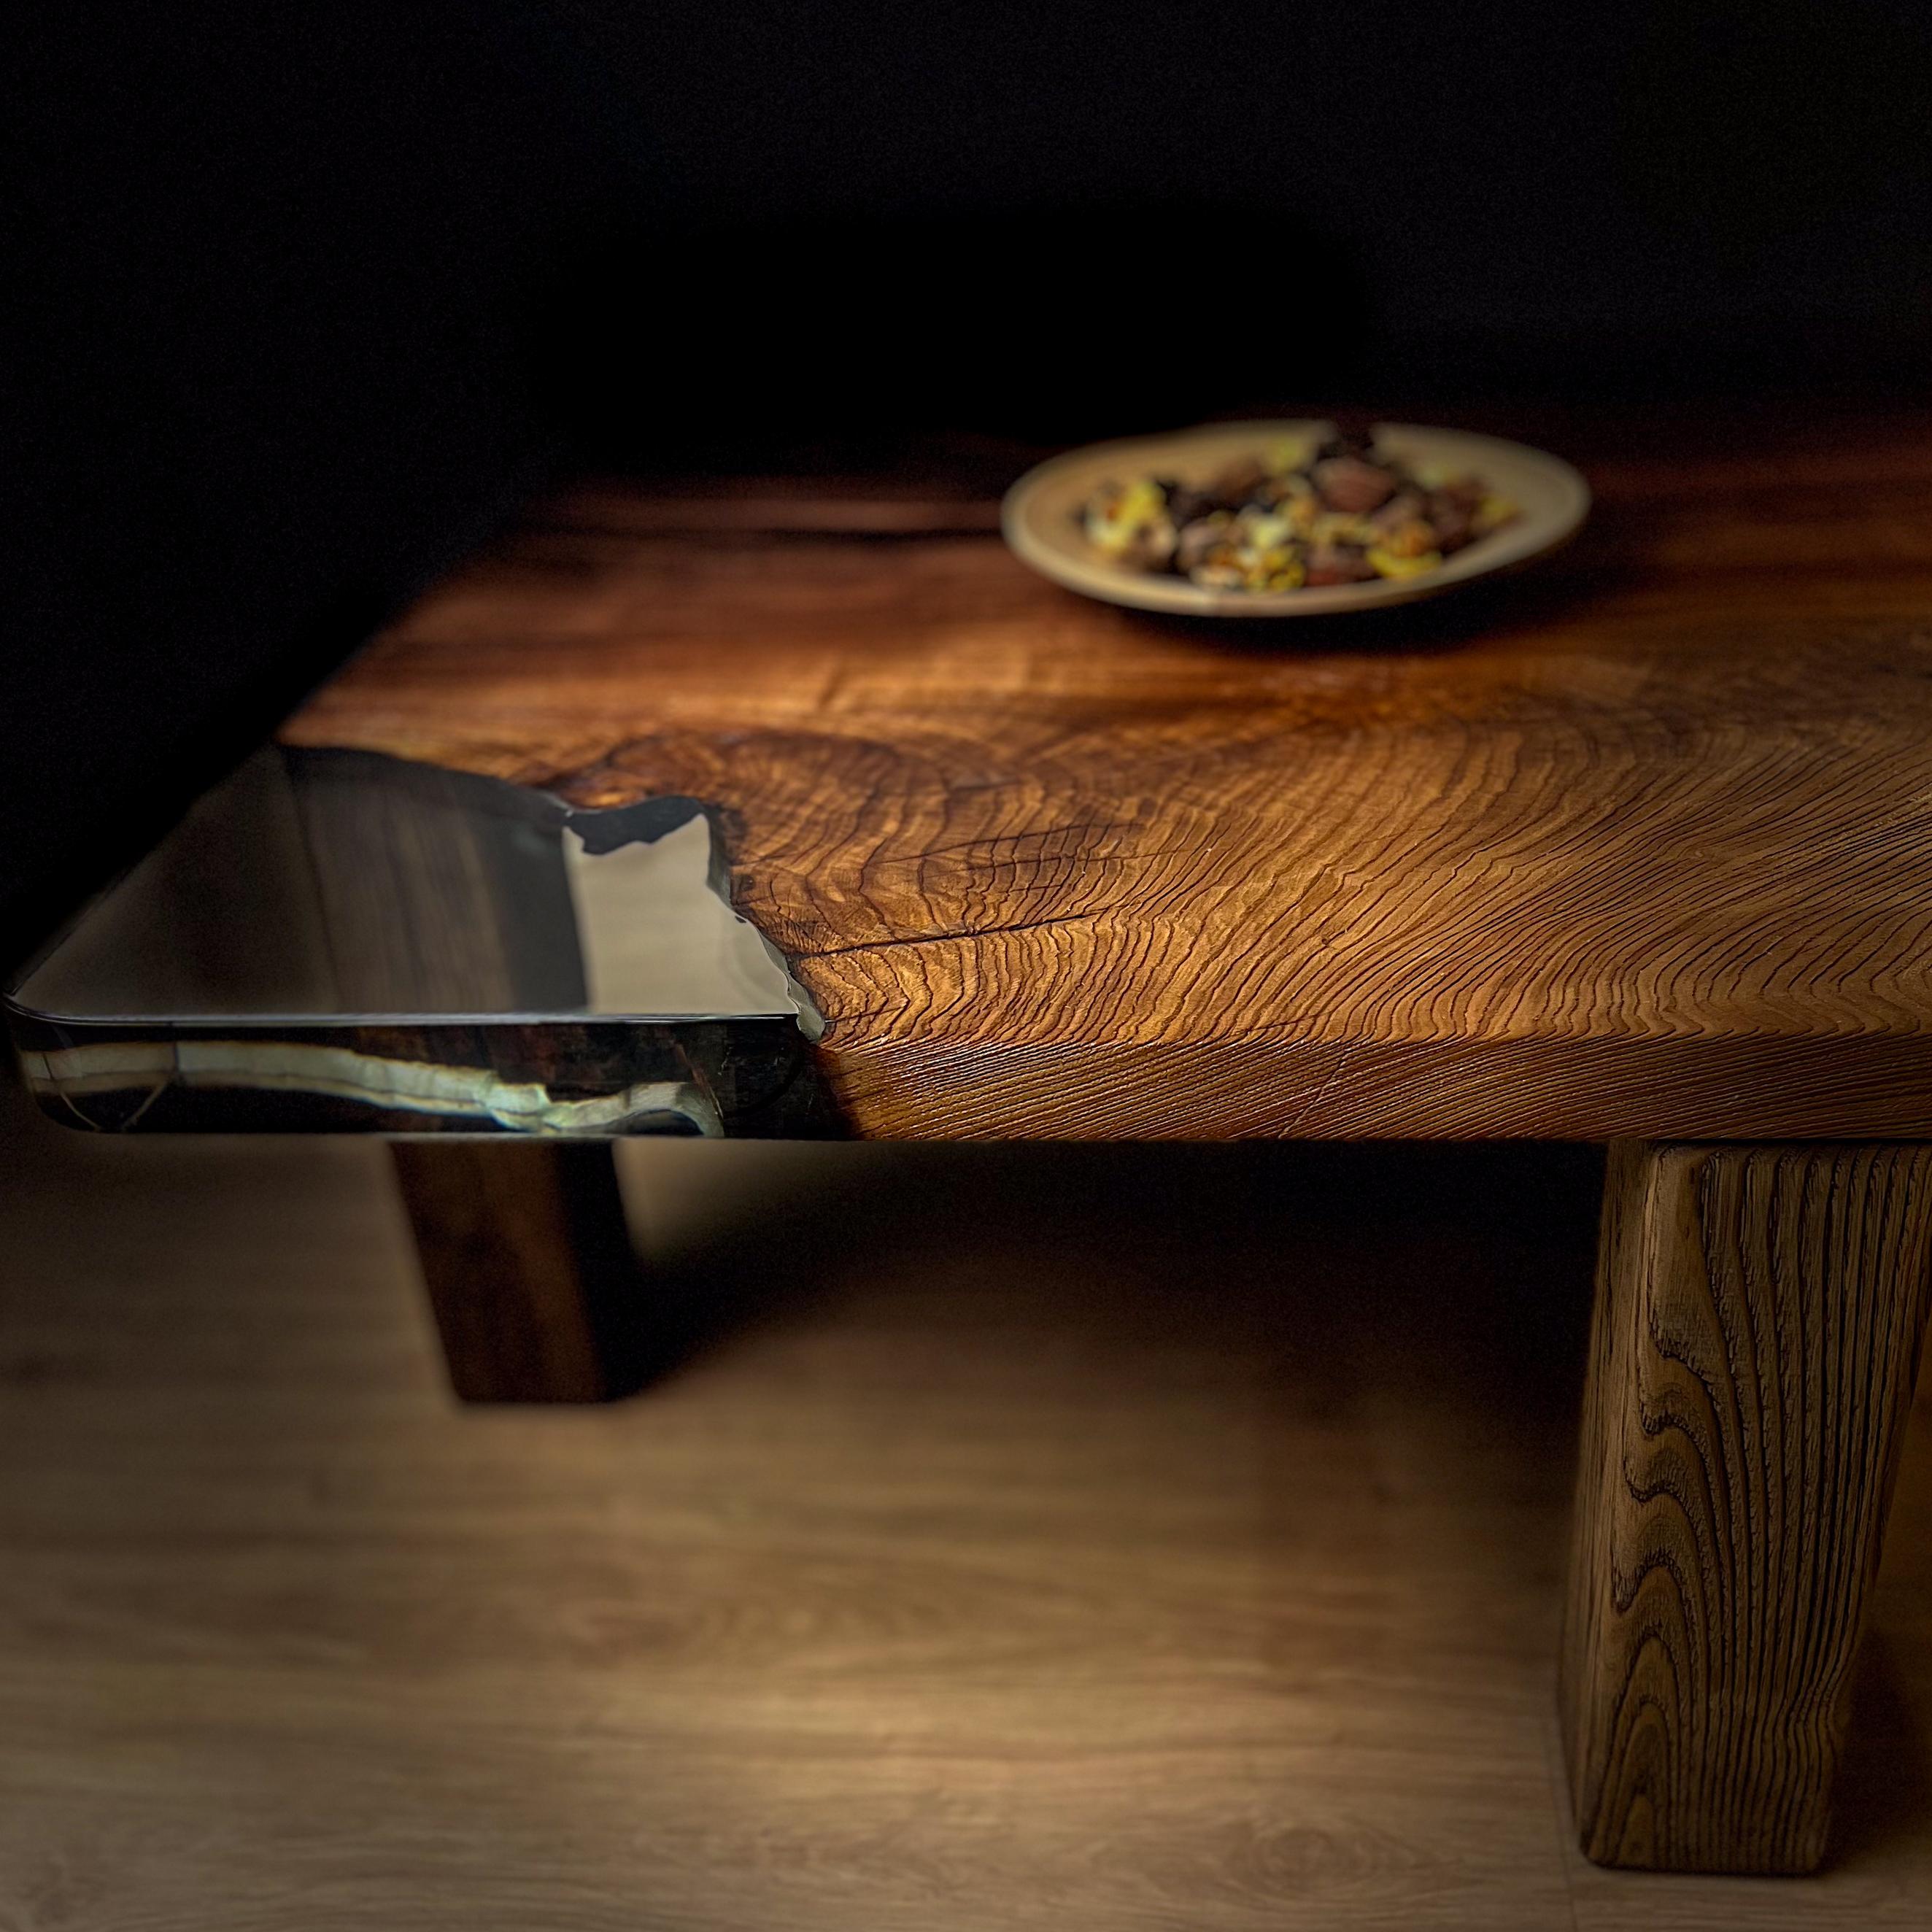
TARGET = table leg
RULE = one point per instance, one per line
(528, 1265)
(1759, 1315)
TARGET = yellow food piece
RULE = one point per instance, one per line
(1411, 539)
(1332, 526)
(1386, 563)
(1302, 512)
(1117, 524)
(1491, 514)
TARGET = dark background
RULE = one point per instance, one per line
(300, 301)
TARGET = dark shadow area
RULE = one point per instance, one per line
(302, 303)
(1186, 1243)
(1885, 1780)
(842, 342)
(264, 271)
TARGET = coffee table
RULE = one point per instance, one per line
(1637, 849)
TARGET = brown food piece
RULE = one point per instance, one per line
(1332, 563)
(1185, 502)
(1453, 519)
(1232, 486)
(1352, 486)
(1405, 506)
(1197, 539)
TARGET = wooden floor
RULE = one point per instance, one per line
(1153, 1537)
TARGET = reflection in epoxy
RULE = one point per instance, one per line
(657, 937)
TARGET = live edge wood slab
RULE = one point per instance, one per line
(1639, 844)
(1636, 848)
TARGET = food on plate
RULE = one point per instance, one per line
(1294, 517)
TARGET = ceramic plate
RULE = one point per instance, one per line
(1041, 515)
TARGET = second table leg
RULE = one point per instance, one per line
(1759, 1315)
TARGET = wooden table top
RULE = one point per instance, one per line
(1640, 843)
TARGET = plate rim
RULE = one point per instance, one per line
(1175, 597)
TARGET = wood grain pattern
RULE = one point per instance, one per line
(1640, 844)
(426, 907)
(1758, 1317)
(1079, 1554)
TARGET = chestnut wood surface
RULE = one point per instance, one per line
(1760, 1312)
(1637, 843)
